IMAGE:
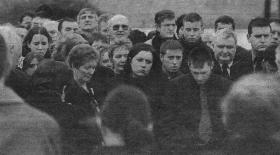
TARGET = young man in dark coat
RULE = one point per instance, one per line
(191, 118)
(230, 62)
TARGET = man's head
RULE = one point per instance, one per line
(88, 19)
(192, 28)
(224, 46)
(179, 24)
(259, 34)
(52, 28)
(103, 24)
(171, 55)
(165, 23)
(275, 31)
(26, 19)
(118, 27)
(200, 62)
(224, 22)
(67, 26)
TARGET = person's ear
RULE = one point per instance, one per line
(161, 57)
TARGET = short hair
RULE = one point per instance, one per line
(29, 57)
(199, 56)
(179, 22)
(52, 74)
(127, 111)
(170, 45)
(137, 36)
(118, 45)
(225, 34)
(26, 14)
(193, 17)
(60, 23)
(81, 54)
(5, 65)
(225, 20)
(85, 10)
(258, 22)
(117, 16)
(162, 15)
(251, 107)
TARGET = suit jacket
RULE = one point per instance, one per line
(180, 115)
(242, 64)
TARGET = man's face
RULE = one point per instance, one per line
(260, 38)
(88, 21)
(53, 31)
(119, 29)
(69, 27)
(201, 74)
(224, 49)
(275, 31)
(26, 22)
(221, 26)
(167, 28)
(172, 60)
(192, 31)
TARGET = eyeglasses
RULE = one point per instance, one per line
(117, 27)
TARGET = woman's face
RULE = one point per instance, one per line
(39, 43)
(141, 64)
(105, 60)
(119, 59)
(33, 66)
(84, 73)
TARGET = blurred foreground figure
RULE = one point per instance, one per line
(23, 130)
(125, 123)
(251, 112)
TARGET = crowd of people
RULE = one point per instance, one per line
(94, 85)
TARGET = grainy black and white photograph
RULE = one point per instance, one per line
(139, 77)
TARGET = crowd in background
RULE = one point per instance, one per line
(95, 85)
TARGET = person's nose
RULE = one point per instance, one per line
(40, 46)
(123, 59)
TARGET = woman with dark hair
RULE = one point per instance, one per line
(37, 40)
(125, 123)
(142, 70)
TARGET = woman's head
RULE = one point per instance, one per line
(83, 60)
(142, 61)
(31, 62)
(37, 40)
(127, 112)
(118, 55)
(104, 57)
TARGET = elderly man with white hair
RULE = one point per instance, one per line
(230, 63)
(118, 29)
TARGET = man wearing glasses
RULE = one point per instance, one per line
(118, 28)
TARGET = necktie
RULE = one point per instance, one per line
(205, 128)
(225, 70)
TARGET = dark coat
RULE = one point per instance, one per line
(180, 116)
(242, 64)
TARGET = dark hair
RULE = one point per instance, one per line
(64, 45)
(44, 11)
(258, 22)
(127, 111)
(29, 57)
(225, 20)
(199, 56)
(26, 14)
(251, 107)
(29, 36)
(162, 15)
(134, 51)
(81, 54)
(170, 45)
(192, 17)
(179, 22)
(5, 65)
(117, 46)
(137, 36)
(60, 23)
(50, 75)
